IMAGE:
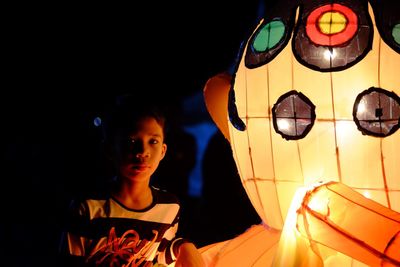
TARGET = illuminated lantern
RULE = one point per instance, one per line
(312, 113)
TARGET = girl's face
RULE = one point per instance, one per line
(138, 151)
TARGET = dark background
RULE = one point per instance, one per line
(64, 62)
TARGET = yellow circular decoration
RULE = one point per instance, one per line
(332, 22)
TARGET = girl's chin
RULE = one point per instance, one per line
(137, 173)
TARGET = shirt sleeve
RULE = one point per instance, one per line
(171, 251)
(169, 246)
(72, 245)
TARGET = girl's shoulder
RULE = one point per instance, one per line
(163, 196)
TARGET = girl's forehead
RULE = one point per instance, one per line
(146, 125)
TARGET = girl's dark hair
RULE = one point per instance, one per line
(129, 109)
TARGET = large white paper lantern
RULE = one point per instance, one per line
(312, 113)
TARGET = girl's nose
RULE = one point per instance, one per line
(142, 155)
(142, 151)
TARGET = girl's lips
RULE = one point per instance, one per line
(140, 167)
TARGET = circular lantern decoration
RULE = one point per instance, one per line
(396, 33)
(268, 36)
(377, 112)
(338, 33)
(331, 25)
(294, 115)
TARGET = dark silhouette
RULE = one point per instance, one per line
(226, 210)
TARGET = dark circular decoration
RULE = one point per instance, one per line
(377, 112)
(293, 115)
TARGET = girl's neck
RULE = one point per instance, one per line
(137, 196)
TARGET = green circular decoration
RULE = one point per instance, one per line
(269, 36)
(396, 33)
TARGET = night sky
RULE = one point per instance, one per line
(64, 63)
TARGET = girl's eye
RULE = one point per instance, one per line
(154, 141)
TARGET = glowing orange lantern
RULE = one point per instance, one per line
(312, 113)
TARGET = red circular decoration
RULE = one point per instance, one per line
(335, 39)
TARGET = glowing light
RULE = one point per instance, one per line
(283, 124)
(337, 66)
(367, 194)
(361, 107)
(291, 217)
(319, 204)
(329, 55)
(97, 121)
